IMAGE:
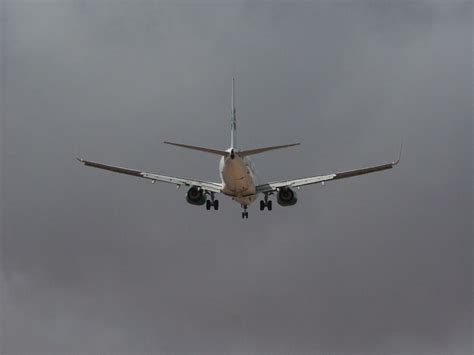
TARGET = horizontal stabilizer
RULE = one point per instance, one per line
(201, 149)
(244, 153)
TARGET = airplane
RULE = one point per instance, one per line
(238, 178)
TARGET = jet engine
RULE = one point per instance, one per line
(196, 196)
(286, 197)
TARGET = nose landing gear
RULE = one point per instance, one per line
(245, 214)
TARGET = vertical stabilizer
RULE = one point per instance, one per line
(233, 122)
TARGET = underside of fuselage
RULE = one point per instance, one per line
(238, 179)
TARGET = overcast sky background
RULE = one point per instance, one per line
(98, 263)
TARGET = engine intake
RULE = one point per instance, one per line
(286, 197)
(196, 196)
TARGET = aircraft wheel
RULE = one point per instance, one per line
(269, 205)
(243, 215)
(262, 205)
(208, 205)
(216, 205)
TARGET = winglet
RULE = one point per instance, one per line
(399, 155)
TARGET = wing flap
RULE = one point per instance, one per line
(206, 185)
(363, 171)
(115, 169)
(273, 186)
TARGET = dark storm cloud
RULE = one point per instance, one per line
(94, 263)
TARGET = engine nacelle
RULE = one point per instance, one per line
(196, 196)
(286, 197)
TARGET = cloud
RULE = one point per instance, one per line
(96, 263)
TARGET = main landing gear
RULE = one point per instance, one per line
(265, 203)
(212, 203)
(245, 214)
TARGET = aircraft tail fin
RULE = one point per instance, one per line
(233, 143)
(233, 120)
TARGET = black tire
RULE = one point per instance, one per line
(216, 205)
(246, 215)
(262, 205)
(243, 215)
(208, 205)
(269, 205)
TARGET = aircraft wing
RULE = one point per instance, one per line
(273, 186)
(205, 185)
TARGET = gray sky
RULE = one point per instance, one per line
(97, 263)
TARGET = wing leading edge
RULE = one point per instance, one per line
(205, 185)
(273, 186)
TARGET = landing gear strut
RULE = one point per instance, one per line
(245, 214)
(212, 203)
(265, 203)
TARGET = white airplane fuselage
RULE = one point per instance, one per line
(238, 178)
